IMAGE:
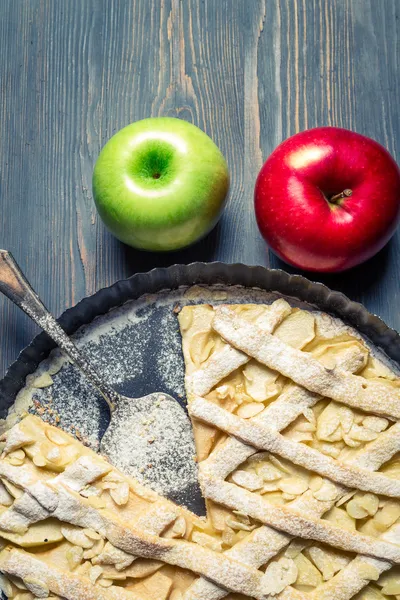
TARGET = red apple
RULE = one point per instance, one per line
(328, 199)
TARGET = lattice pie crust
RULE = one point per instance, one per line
(296, 429)
(298, 444)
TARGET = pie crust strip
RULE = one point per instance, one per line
(71, 586)
(265, 438)
(223, 362)
(68, 506)
(294, 523)
(303, 368)
(264, 543)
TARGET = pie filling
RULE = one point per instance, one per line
(298, 442)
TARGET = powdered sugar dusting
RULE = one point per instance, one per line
(137, 349)
(151, 439)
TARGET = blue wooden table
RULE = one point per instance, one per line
(248, 72)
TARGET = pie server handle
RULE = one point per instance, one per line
(17, 288)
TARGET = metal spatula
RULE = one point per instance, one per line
(127, 414)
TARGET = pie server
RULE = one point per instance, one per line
(127, 414)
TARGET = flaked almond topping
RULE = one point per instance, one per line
(293, 485)
(247, 411)
(340, 517)
(12, 489)
(201, 346)
(84, 568)
(16, 462)
(109, 485)
(18, 583)
(237, 524)
(288, 497)
(39, 460)
(74, 556)
(269, 473)
(92, 534)
(279, 464)
(315, 483)
(258, 458)
(299, 436)
(54, 454)
(328, 423)
(368, 501)
(349, 441)
(330, 449)
(362, 434)
(114, 477)
(388, 515)
(225, 391)
(17, 454)
(120, 494)
(368, 572)
(326, 493)
(77, 537)
(242, 516)
(377, 424)
(345, 498)
(355, 510)
(57, 437)
(113, 575)
(114, 556)
(105, 583)
(269, 486)
(305, 426)
(90, 490)
(248, 480)
(95, 551)
(203, 539)
(95, 573)
(278, 575)
(5, 497)
(346, 417)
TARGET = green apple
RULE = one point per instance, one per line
(160, 184)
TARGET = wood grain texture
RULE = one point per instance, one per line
(249, 73)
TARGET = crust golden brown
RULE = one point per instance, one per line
(296, 426)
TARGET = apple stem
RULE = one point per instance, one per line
(345, 194)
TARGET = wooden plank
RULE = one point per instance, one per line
(248, 73)
(336, 63)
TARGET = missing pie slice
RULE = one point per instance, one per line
(297, 433)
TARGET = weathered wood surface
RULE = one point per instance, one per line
(248, 72)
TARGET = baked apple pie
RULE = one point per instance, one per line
(296, 427)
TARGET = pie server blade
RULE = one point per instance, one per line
(156, 420)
